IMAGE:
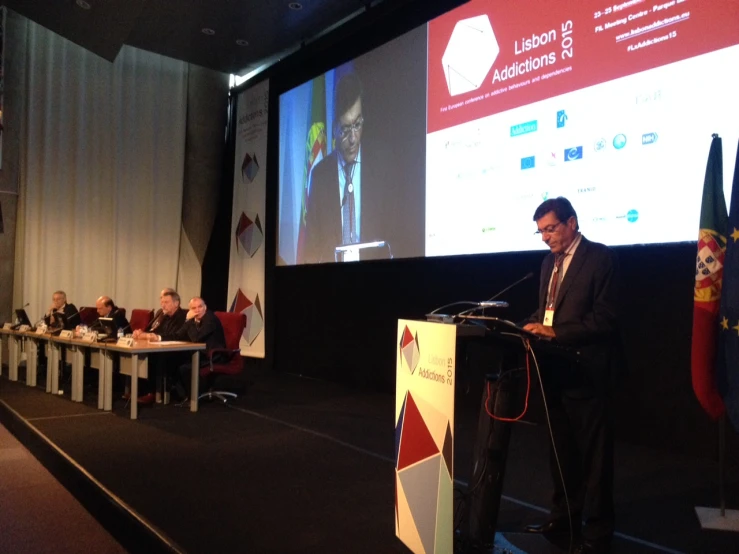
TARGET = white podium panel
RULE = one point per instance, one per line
(424, 436)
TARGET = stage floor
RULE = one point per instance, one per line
(304, 466)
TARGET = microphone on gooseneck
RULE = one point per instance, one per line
(156, 320)
(529, 275)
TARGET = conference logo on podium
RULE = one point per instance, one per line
(469, 55)
(410, 353)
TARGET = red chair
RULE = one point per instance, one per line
(230, 361)
(140, 319)
(88, 316)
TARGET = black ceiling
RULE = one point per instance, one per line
(174, 27)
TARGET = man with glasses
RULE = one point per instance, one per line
(340, 199)
(578, 308)
(69, 312)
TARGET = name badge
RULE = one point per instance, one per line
(66, 334)
(7, 326)
(125, 341)
(90, 336)
(24, 328)
(41, 329)
(548, 317)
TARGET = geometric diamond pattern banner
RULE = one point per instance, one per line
(252, 309)
(249, 167)
(410, 349)
(416, 442)
(424, 436)
(420, 484)
(249, 234)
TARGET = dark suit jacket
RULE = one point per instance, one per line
(71, 317)
(586, 317)
(119, 321)
(209, 331)
(323, 220)
(168, 325)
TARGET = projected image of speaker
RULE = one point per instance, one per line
(359, 177)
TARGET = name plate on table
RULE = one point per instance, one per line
(66, 334)
(125, 341)
(8, 326)
(41, 329)
(90, 336)
(24, 328)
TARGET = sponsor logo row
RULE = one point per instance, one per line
(573, 153)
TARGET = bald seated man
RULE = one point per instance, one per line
(201, 325)
(106, 308)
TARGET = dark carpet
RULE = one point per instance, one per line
(298, 465)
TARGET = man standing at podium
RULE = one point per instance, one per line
(578, 305)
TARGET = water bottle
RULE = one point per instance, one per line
(120, 333)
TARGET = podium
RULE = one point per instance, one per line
(426, 377)
(360, 251)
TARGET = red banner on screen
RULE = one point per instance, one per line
(487, 57)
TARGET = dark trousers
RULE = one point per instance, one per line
(583, 434)
(185, 376)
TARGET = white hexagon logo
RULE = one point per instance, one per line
(470, 54)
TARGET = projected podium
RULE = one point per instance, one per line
(424, 431)
(362, 251)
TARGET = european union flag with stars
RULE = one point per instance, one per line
(727, 371)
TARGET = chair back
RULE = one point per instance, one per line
(233, 327)
(88, 316)
(140, 318)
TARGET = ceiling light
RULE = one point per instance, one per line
(295, 6)
(82, 4)
(242, 42)
(207, 31)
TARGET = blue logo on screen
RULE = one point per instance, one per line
(632, 216)
(649, 138)
(619, 141)
(528, 163)
(561, 119)
(524, 128)
(574, 153)
(599, 145)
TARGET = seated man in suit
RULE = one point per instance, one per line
(106, 308)
(157, 320)
(70, 316)
(201, 325)
(167, 323)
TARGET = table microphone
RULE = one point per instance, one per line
(155, 320)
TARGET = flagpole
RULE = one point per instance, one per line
(719, 518)
(722, 464)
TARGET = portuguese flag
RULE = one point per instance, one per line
(315, 151)
(708, 279)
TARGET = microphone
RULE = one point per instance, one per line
(492, 304)
(489, 303)
(154, 323)
(529, 275)
(69, 319)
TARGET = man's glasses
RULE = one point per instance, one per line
(346, 130)
(548, 230)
